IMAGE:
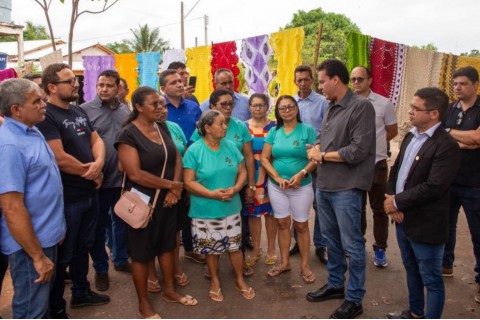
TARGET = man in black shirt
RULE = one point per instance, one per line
(80, 155)
(462, 121)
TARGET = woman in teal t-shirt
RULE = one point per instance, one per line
(214, 174)
(284, 157)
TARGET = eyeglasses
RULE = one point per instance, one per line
(258, 106)
(357, 79)
(459, 120)
(72, 81)
(417, 109)
(287, 108)
(226, 104)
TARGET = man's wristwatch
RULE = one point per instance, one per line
(323, 156)
(253, 188)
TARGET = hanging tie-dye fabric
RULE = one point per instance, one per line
(287, 46)
(127, 66)
(256, 51)
(148, 68)
(172, 55)
(93, 66)
(386, 61)
(357, 50)
(224, 55)
(198, 61)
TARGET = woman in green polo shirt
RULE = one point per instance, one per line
(214, 174)
(284, 157)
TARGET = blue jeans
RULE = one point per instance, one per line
(319, 240)
(109, 225)
(469, 199)
(340, 213)
(423, 263)
(81, 220)
(30, 299)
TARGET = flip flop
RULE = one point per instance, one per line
(248, 294)
(248, 271)
(251, 261)
(182, 279)
(271, 260)
(186, 300)
(308, 278)
(153, 286)
(276, 271)
(155, 316)
(216, 296)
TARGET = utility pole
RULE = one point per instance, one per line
(205, 21)
(182, 27)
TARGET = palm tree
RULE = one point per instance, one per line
(35, 32)
(146, 40)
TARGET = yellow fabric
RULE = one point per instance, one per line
(450, 64)
(198, 61)
(127, 67)
(287, 47)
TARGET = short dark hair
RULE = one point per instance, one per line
(335, 67)
(207, 118)
(110, 74)
(216, 94)
(125, 83)
(164, 74)
(470, 72)
(303, 68)
(367, 70)
(277, 113)
(262, 96)
(50, 76)
(435, 99)
(177, 65)
(138, 97)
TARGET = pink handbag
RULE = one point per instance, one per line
(131, 208)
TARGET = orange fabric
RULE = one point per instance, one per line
(126, 65)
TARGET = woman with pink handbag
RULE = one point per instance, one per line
(151, 162)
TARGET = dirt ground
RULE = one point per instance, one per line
(284, 296)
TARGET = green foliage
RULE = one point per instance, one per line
(473, 53)
(120, 47)
(30, 32)
(333, 43)
(147, 40)
(429, 46)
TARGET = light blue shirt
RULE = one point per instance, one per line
(411, 155)
(312, 109)
(240, 111)
(28, 166)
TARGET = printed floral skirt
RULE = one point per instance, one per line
(217, 236)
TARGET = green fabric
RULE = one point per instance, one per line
(213, 170)
(178, 136)
(237, 132)
(357, 50)
(289, 151)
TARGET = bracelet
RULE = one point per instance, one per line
(305, 172)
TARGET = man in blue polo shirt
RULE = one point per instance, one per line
(185, 113)
(32, 222)
(224, 80)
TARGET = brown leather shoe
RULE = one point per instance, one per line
(102, 281)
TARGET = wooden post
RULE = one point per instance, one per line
(317, 47)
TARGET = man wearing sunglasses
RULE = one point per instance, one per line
(462, 121)
(386, 129)
(80, 155)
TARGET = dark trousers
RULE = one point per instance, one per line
(469, 199)
(376, 195)
(73, 252)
